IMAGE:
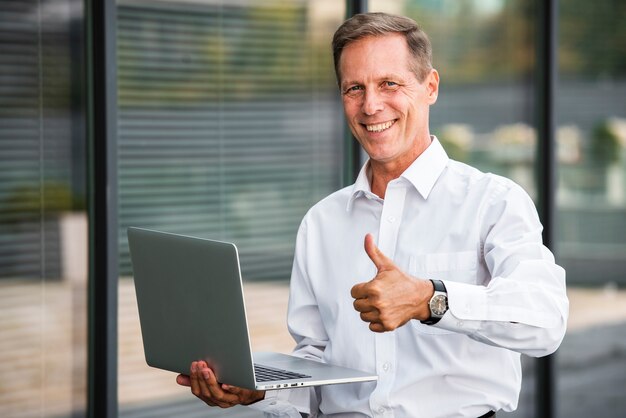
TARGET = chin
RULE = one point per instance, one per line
(380, 157)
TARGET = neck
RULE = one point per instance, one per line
(383, 172)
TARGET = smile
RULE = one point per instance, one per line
(379, 127)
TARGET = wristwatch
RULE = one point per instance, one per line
(438, 304)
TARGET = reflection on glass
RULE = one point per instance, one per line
(229, 128)
(592, 206)
(43, 227)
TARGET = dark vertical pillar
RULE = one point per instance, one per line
(102, 168)
(351, 146)
(354, 7)
(546, 177)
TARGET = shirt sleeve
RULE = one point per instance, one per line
(277, 404)
(524, 306)
(304, 319)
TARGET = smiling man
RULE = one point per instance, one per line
(386, 104)
(426, 271)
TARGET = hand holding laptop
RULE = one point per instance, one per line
(205, 386)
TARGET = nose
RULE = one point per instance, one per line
(372, 102)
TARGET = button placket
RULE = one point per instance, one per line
(393, 206)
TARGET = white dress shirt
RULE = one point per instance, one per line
(478, 233)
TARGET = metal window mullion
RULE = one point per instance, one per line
(546, 69)
(103, 225)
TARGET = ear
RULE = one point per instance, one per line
(432, 86)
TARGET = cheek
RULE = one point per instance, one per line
(350, 107)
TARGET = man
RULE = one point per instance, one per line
(453, 282)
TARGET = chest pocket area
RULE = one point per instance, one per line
(457, 266)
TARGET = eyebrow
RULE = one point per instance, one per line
(389, 76)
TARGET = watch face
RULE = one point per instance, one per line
(439, 305)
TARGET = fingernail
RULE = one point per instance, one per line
(205, 373)
(193, 366)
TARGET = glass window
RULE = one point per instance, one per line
(230, 128)
(43, 226)
(591, 205)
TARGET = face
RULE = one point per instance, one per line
(385, 104)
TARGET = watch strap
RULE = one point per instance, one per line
(439, 286)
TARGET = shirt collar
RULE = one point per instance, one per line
(422, 173)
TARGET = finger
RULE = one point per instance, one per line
(359, 291)
(372, 317)
(194, 379)
(363, 305)
(206, 380)
(204, 385)
(380, 260)
(377, 327)
(235, 390)
(214, 390)
(183, 380)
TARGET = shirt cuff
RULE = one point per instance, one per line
(467, 307)
(274, 406)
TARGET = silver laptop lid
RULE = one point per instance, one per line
(180, 313)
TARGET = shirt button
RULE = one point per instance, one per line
(391, 219)
(386, 367)
(459, 324)
(381, 410)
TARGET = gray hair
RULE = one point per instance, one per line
(378, 24)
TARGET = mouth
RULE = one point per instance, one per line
(380, 127)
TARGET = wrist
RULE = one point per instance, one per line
(257, 397)
(425, 293)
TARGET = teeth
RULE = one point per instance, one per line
(379, 127)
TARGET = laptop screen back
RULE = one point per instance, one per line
(190, 300)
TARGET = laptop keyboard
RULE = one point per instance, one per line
(266, 374)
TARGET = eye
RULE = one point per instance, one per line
(390, 84)
(353, 89)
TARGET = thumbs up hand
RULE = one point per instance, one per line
(392, 297)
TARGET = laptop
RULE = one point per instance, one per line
(191, 307)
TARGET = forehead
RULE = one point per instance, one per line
(375, 56)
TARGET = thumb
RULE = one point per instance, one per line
(380, 260)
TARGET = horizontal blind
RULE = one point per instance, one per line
(42, 306)
(229, 128)
(36, 139)
(19, 142)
